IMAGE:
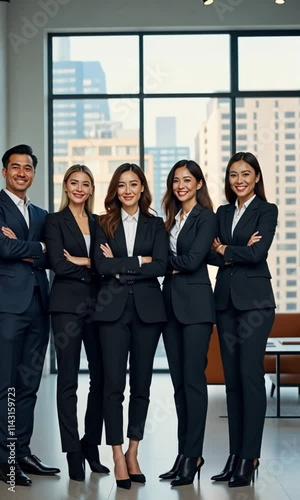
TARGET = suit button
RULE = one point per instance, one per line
(231, 274)
(130, 282)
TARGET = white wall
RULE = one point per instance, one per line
(3, 74)
(30, 20)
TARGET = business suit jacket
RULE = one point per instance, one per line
(189, 293)
(73, 286)
(247, 278)
(151, 240)
(18, 278)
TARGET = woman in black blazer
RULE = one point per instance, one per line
(188, 296)
(130, 254)
(245, 310)
(69, 237)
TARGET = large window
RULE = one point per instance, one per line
(155, 98)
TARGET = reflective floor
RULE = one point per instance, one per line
(279, 473)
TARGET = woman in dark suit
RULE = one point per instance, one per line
(130, 253)
(188, 295)
(69, 237)
(245, 310)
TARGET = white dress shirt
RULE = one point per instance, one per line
(174, 233)
(87, 239)
(21, 204)
(23, 207)
(240, 211)
(130, 223)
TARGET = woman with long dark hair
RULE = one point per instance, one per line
(130, 254)
(245, 310)
(188, 295)
(69, 237)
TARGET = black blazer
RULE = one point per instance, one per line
(18, 278)
(189, 292)
(247, 277)
(72, 289)
(151, 240)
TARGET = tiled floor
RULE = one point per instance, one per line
(278, 474)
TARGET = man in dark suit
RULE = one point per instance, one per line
(24, 319)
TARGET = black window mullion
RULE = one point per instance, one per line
(141, 103)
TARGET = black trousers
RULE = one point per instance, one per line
(129, 335)
(243, 336)
(186, 347)
(24, 339)
(69, 331)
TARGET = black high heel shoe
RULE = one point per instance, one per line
(172, 473)
(244, 473)
(91, 454)
(123, 483)
(228, 470)
(76, 465)
(136, 478)
(187, 472)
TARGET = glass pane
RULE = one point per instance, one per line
(186, 63)
(101, 134)
(95, 65)
(206, 139)
(269, 63)
(271, 130)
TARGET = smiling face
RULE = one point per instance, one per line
(19, 174)
(129, 191)
(78, 188)
(185, 187)
(242, 180)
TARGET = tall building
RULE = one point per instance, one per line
(165, 154)
(270, 128)
(77, 118)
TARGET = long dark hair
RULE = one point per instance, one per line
(171, 204)
(249, 158)
(111, 219)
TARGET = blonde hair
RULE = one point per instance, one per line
(89, 203)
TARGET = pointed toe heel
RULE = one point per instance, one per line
(228, 470)
(188, 470)
(244, 473)
(91, 454)
(124, 483)
(172, 473)
(138, 478)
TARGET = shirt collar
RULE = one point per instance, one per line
(17, 200)
(246, 204)
(126, 216)
(177, 216)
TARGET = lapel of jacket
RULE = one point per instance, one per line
(247, 215)
(229, 213)
(141, 230)
(119, 238)
(74, 228)
(190, 221)
(32, 222)
(92, 225)
(12, 207)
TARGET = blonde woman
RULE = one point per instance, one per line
(69, 238)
